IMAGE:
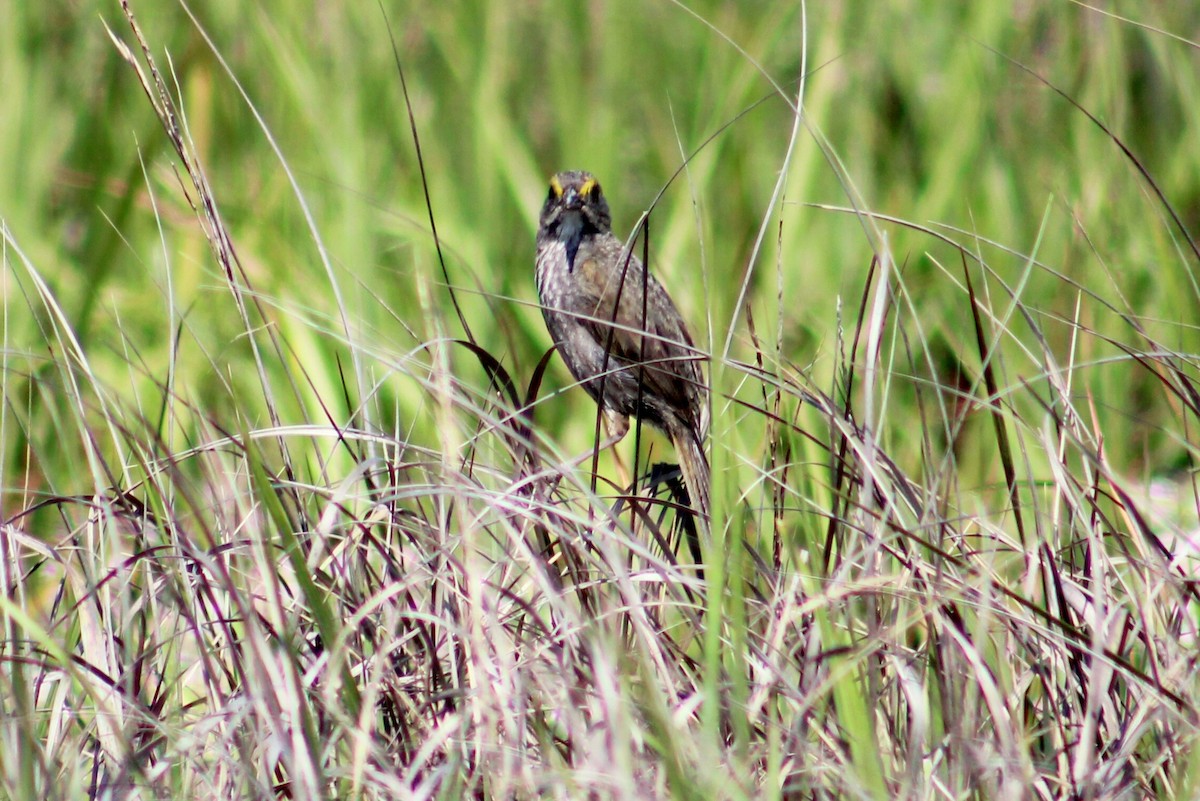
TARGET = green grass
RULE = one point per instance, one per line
(273, 529)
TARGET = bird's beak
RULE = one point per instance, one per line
(571, 199)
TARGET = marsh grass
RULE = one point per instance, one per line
(294, 502)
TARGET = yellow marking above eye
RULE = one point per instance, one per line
(588, 186)
(555, 186)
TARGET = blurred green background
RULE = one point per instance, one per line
(925, 113)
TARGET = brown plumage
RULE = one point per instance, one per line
(634, 358)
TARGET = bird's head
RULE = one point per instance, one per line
(575, 207)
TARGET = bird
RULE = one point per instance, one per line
(616, 328)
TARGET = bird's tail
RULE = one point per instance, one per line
(696, 475)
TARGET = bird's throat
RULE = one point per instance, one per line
(571, 233)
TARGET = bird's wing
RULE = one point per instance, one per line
(672, 370)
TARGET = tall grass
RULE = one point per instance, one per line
(296, 504)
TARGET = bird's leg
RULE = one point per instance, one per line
(617, 426)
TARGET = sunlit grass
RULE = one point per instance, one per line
(278, 524)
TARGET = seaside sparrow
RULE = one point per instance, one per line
(616, 327)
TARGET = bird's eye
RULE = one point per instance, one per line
(556, 189)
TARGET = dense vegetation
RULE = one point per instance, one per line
(294, 507)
